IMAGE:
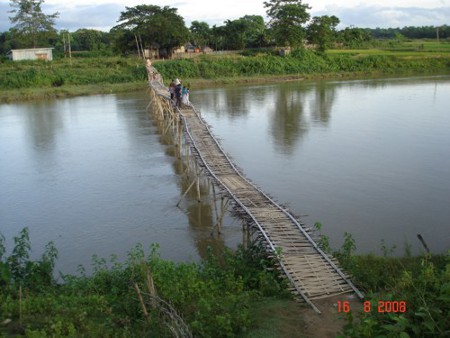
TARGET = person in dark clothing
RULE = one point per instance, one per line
(178, 90)
(172, 89)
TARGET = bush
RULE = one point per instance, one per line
(211, 298)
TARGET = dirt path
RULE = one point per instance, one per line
(330, 322)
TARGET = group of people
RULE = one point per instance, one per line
(179, 93)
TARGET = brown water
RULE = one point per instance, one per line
(371, 158)
(94, 175)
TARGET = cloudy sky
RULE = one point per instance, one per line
(103, 14)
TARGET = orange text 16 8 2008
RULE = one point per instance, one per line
(380, 306)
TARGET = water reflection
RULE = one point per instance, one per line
(93, 175)
(42, 125)
(292, 108)
(201, 213)
(322, 103)
(365, 156)
(288, 123)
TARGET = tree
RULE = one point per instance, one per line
(31, 24)
(218, 37)
(247, 31)
(89, 40)
(254, 30)
(286, 20)
(322, 31)
(353, 37)
(201, 33)
(156, 25)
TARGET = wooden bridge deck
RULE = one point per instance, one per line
(311, 272)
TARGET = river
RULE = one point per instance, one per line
(94, 175)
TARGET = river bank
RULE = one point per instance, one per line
(76, 77)
(236, 294)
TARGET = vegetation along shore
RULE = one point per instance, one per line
(236, 294)
(95, 75)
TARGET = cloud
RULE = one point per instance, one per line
(92, 16)
(4, 17)
(373, 16)
(104, 15)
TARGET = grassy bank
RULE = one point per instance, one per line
(303, 64)
(209, 299)
(44, 93)
(84, 76)
(236, 294)
(64, 77)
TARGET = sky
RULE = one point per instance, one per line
(103, 14)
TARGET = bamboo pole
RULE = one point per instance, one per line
(151, 289)
(216, 212)
(20, 305)
(224, 206)
(185, 193)
(141, 300)
(198, 188)
(179, 138)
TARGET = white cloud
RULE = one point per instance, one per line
(372, 16)
(103, 14)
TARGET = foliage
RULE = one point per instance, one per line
(421, 284)
(65, 72)
(89, 40)
(212, 297)
(17, 270)
(245, 32)
(411, 32)
(300, 63)
(286, 20)
(159, 26)
(201, 33)
(321, 31)
(31, 24)
(352, 37)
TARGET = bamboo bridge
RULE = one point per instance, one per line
(312, 273)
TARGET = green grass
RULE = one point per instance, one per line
(415, 48)
(307, 64)
(24, 94)
(212, 297)
(71, 72)
(98, 75)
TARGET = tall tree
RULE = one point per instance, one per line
(322, 31)
(286, 20)
(353, 37)
(156, 25)
(30, 22)
(245, 32)
(201, 33)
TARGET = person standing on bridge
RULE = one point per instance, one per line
(178, 89)
(172, 89)
(185, 96)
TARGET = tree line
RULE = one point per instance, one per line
(150, 26)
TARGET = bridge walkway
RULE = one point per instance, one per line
(311, 272)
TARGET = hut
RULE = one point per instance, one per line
(31, 54)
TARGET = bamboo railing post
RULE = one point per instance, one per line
(141, 300)
(198, 187)
(186, 192)
(224, 206)
(216, 212)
